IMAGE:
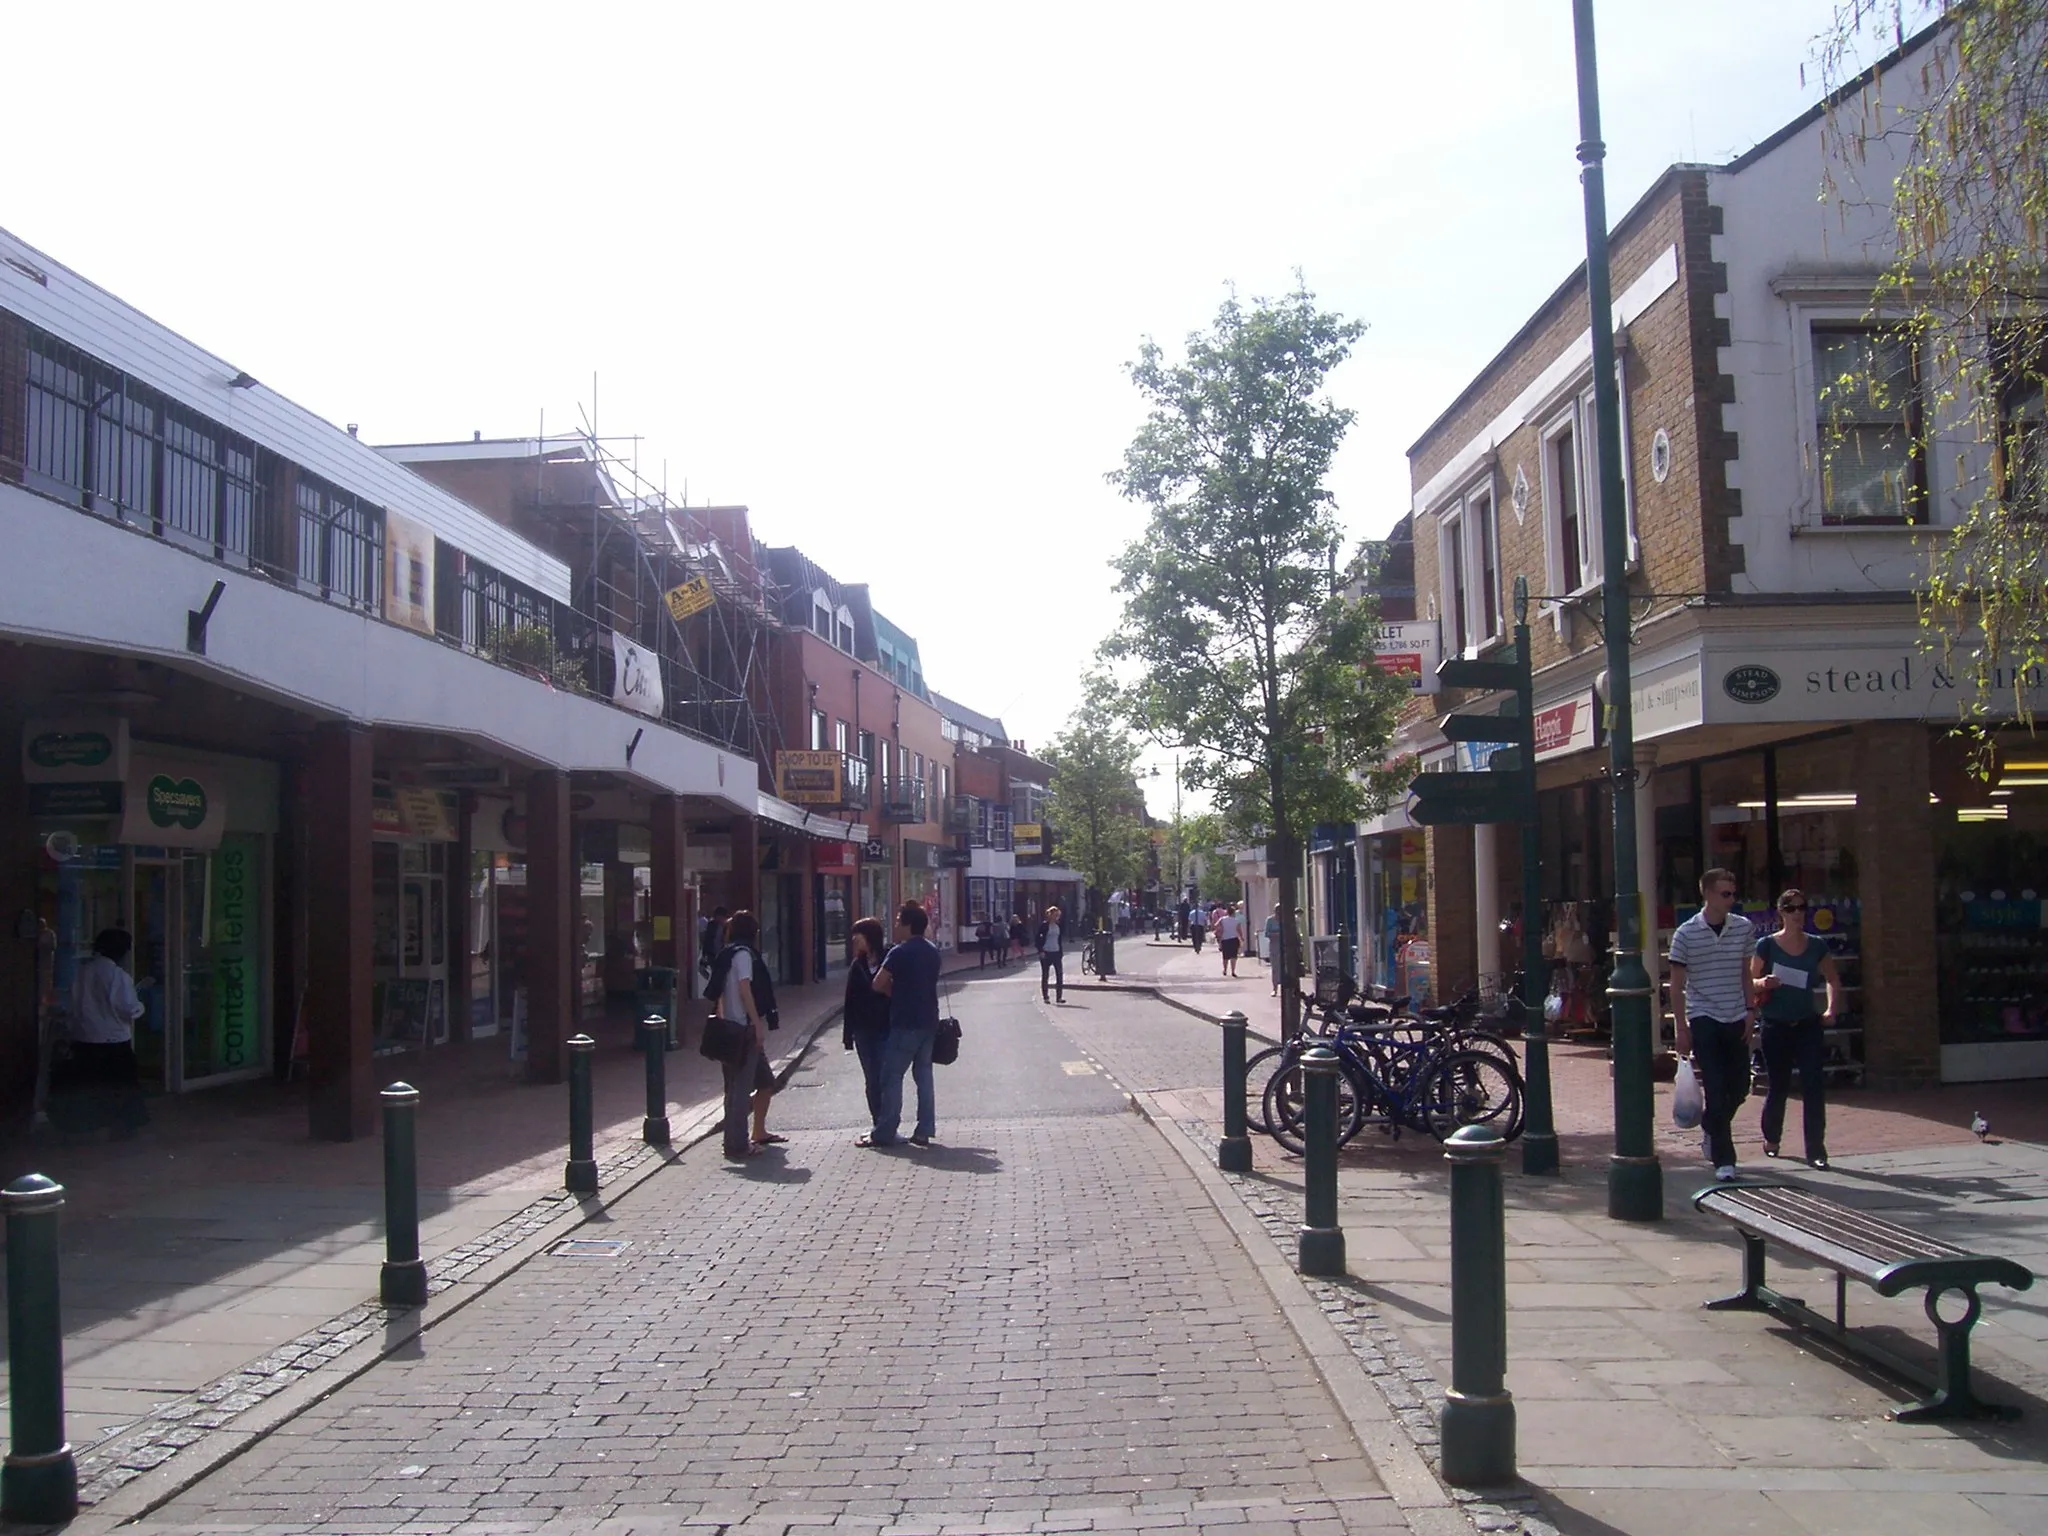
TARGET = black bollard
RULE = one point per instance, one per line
(1539, 1131)
(403, 1280)
(1234, 1151)
(1477, 1430)
(39, 1481)
(579, 1177)
(654, 1043)
(1320, 1249)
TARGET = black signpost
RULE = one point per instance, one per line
(1505, 792)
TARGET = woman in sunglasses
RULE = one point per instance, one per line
(1790, 966)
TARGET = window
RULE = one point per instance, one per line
(2020, 365)
(839, 737)
(1469, 558)
(341, 544)
(843, 636)
(1572, 524)
(1867, 399)
(865, 749)
(817, 730)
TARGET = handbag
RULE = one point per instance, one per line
(724, 1041)
(946, 1045)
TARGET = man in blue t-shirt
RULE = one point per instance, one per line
(909, 978)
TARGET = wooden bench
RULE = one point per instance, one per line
(1883, 1255)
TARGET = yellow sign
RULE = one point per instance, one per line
(1027, 837)
(693, 596)
(664, 929)
(809, 778)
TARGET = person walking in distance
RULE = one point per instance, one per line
(1229, 938)
(909, 979)
(1713, 1006)
(1788, 968)
(104, 1008)
(749, 1081)
(1017, 935)
(1052, 967)
(1273, 949)
(866, 1029)
(1198, 925)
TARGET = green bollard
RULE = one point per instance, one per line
(1320, 1248)
(1477, 1431)
(654, 1044)
(403, 1280)
(1539, 1129)
(1234, 1151)
(579, 1177)
(39, 1481)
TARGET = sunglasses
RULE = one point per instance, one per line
(1792, 906)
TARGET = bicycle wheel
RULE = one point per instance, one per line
(1267, 1061)
(1286, 1106)
(1469, 1088)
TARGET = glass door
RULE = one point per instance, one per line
(156, 966)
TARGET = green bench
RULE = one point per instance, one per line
(1883, 1255)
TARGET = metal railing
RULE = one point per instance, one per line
(903, 801)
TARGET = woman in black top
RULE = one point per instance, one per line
(867, 1011)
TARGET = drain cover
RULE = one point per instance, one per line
(589, 1248)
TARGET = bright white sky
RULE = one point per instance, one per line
(872, 270)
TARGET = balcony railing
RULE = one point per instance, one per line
(903, 801)
(960, 815)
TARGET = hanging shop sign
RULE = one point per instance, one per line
(464, 775)
(412, 810)
(1568, 727)
(809, 778)
(1028, 837)
(692, 597)
(1408, 649)
(712, 856)
(636, 678)
(921, 855)
(78, 751)
(875, 851)
(408, 573)
(173, 802)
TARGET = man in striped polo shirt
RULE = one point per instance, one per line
(1713, 1007)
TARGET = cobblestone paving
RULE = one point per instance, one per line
(1040, 1326)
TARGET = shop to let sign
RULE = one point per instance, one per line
(692, 597)
(1408, 650)
(809, 778)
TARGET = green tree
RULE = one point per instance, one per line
(1093, 796)
(1969, 212)
(1203, 836)
(1238, 637)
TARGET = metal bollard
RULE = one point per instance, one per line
(1477, 1430)
(654, 1044)
(403, 1280)
(1539, 1129)
(1320, 1250)
(1234, 1151)
(39, 1481)
(579, 1177)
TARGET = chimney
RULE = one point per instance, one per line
(476, 435)
(351, 429)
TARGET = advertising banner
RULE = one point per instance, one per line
(810, 778)
(1567, 727)
(636, 678)
(408, 573)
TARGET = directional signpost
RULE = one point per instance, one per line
(1505, 792)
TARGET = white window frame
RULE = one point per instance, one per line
(1809, 516)
(1463, 531)
(1578, 415)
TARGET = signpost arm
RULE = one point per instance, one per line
(1635, 1179)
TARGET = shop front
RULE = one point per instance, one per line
(927, 881)
(413, 828)
(878, 882)
(175, 846)
(836, 866)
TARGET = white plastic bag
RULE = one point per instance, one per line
(1688, 1104)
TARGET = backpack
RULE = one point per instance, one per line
(762, 986)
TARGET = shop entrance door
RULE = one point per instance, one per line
(173, 971)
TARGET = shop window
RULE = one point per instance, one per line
(2020, 366)
(1735, 819)
(1816, 790)
(1869, 416)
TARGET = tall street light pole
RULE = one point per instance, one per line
(1635, 1180)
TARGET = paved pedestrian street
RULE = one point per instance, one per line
(1040, 1323)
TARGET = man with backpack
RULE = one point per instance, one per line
(745, 995)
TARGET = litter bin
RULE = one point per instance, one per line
(1105, 952)
(654, 992)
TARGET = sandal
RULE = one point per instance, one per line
(769, 1139)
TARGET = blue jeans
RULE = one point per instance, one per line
(905, 1050)
(868, 1045)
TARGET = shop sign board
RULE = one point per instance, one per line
(408, 573)
(1667, 699)
(414, 810)
(464, 775)
(173, 803)
(875, 851)
(692, 597)
(73, 802)
(956, 858)
(1408, 649)
(810, 777)
(636, 678)
(921, 855)
(1567, 727)
(235, 1014)
(75, 751)
(713, 857)
(1885, 678)
(1028, 837)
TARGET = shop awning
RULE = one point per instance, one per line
(824, 828)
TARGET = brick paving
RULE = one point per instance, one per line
(1041, 1325)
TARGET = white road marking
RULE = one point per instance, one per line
(1079, 1068)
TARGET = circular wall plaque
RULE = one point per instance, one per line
(1660, 455)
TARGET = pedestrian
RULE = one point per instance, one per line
(1712, 1008)
(1789, 967)
(739, 980)
(104, 1008)
(1052, 960)
(1017, 935)
(710, 939)
(1273, 948)
(866, 1028)
(909, 979)
(981, 938)
(1198, 926)
(1228, 938)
